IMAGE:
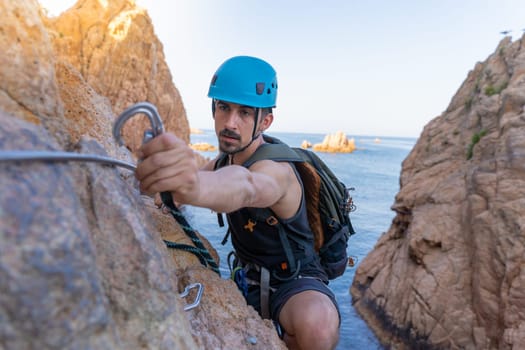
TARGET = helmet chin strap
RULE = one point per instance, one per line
(244, 147)
(254, 134)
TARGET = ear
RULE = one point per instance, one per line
(266, 122)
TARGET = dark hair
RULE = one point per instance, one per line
(266, 110)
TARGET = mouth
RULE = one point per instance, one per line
(229, 137)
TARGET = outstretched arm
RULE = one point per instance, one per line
(169, 165)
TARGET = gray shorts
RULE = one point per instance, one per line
(285, 291)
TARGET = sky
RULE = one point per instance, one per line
(376, 68)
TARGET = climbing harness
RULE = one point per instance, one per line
(239, 274)
(151, 112)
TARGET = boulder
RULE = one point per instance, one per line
(450, 271)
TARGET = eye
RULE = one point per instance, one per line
(247, 112)
(222, 107)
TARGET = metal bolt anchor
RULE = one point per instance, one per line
(146, 108)
(197, 300)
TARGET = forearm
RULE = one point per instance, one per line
(169, 165)
(224, 190)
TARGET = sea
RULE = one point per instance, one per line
(372, 170)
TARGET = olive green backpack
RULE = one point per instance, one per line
(328, 202)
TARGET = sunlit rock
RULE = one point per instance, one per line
(196, 131)
(306, 144)
(203, 147)
(114, 47)
(335, 143)
(450, 271)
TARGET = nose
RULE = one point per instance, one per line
(232, 119)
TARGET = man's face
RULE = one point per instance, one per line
(233, 125)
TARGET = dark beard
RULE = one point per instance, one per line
(227, 147)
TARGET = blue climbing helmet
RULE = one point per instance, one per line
(245, 80)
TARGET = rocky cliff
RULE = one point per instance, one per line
(82, 261)
(450, 271)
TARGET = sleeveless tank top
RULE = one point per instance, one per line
(255, 238)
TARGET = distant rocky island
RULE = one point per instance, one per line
(333, 143)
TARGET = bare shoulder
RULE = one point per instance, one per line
(283, 183)
(279, 170)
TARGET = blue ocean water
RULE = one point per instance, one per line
(373, 170)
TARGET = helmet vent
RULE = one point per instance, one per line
(259, 88)
(214, 79)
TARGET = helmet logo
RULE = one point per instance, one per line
(259, 88)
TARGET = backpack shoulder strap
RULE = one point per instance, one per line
(221, 161)
(274, 150)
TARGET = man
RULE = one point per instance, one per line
(243, 92)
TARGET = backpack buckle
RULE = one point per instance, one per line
(272, 220)
(348, 205)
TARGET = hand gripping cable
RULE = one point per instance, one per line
(157, 128)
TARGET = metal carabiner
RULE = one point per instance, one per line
(197, 300)
(146, 108)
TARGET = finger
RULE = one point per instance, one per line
(162, 142)
(162, 179)
(181, 181)
(181, 156)
(158, 200)
(180, 169)
(155, 161)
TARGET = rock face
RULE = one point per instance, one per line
(82, 260)
(450, 271)
(113, 46)
(28, 86)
